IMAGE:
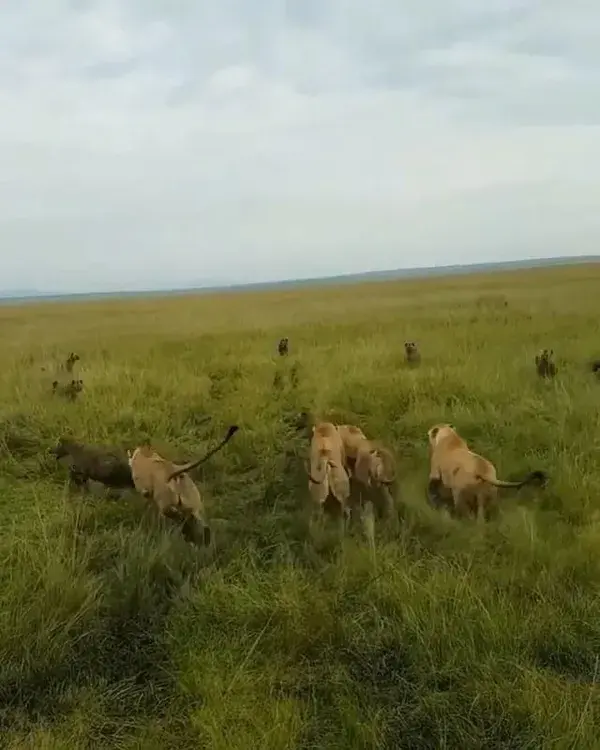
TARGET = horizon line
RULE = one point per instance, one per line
(388, 274)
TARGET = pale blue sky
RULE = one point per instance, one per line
(157, 143)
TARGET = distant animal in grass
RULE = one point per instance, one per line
(71, 360)
(66, 366)
(70, 391)
(595, 366)
(171, 489)
(283, 347)
(545, 365)
(89, 462)
(412, 355)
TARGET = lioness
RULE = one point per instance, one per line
(369, 463)
(171, 488)
(327, 475)
(468, 477)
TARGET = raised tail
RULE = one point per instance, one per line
(192, 464)
(537, 476)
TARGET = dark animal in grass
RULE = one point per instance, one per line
(411, 353)
(304, 423)
(544, 364)
(283, 347)
(595, 366)
(71, 359)
(94, 462)
(68, 365)
(69, 391)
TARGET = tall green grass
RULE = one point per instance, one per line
(115, 633)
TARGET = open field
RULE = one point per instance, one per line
(114, 633)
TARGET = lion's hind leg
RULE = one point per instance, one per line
(341, 490)
(464, 501)
(436, 492)
(315, 507)
(487, 503)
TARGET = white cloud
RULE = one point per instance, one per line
(142, 144)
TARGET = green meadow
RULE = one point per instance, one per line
(117, 633)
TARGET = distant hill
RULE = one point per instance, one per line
(20, 295)
(423, 272)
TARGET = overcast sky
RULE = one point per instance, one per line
(150, 143)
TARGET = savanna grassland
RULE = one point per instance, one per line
(116, 633)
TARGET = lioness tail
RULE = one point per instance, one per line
(192, 464)
(534, 476)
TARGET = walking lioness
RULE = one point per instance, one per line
(171, 488)
(469, 478)
(370, 464)
(327, 475)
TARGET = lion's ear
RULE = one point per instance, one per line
(434, 432)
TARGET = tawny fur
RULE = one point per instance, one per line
(369, 463)
(170, 487)
(469, 478)
(327, 475)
